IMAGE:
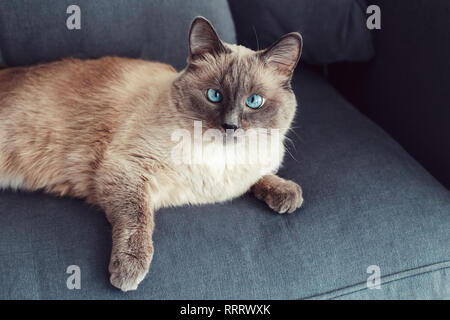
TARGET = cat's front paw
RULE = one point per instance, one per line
(280, 195)
(127, 270)
(284, 197)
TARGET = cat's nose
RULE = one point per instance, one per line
(227, 126)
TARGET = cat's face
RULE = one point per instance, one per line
(231, 87)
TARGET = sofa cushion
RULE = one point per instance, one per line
(32, 32)
(367, 202)
(332, 30)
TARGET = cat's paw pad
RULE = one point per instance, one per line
(127, 271)
(284, 197)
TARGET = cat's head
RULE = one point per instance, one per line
(229, 87)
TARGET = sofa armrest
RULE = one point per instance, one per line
(406, 88)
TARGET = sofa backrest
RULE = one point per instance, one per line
(33, 31)
(332, 30)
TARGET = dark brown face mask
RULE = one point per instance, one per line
(230, 87)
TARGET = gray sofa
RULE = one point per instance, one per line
(367, 201)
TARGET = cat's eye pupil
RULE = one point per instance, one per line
(214, 95)
(255, 101)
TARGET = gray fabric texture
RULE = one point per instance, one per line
(332, 30)
(367, 202)
(33, 31)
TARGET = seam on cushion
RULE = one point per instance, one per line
(384, 279)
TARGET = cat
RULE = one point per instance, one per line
(100, 130)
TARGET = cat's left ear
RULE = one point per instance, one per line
(285, 53)
(204, 39)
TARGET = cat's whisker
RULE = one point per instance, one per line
(256, 36)
(292, 156)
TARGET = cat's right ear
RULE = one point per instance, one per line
(203, 39)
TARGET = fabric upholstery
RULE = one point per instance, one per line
(33, 31)
(332, 30)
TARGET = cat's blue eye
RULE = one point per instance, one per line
(214, 95)
(255, 101)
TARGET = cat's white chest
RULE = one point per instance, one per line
(218, 175)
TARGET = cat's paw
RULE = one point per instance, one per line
(284, 197)
(127, 270)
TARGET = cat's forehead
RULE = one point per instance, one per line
(239, 67)
(238, 50)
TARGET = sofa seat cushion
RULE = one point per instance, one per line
(367, 203)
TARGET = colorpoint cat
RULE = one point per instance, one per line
(103, 130)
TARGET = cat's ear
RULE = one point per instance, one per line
(203, 39)
(285, 53)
